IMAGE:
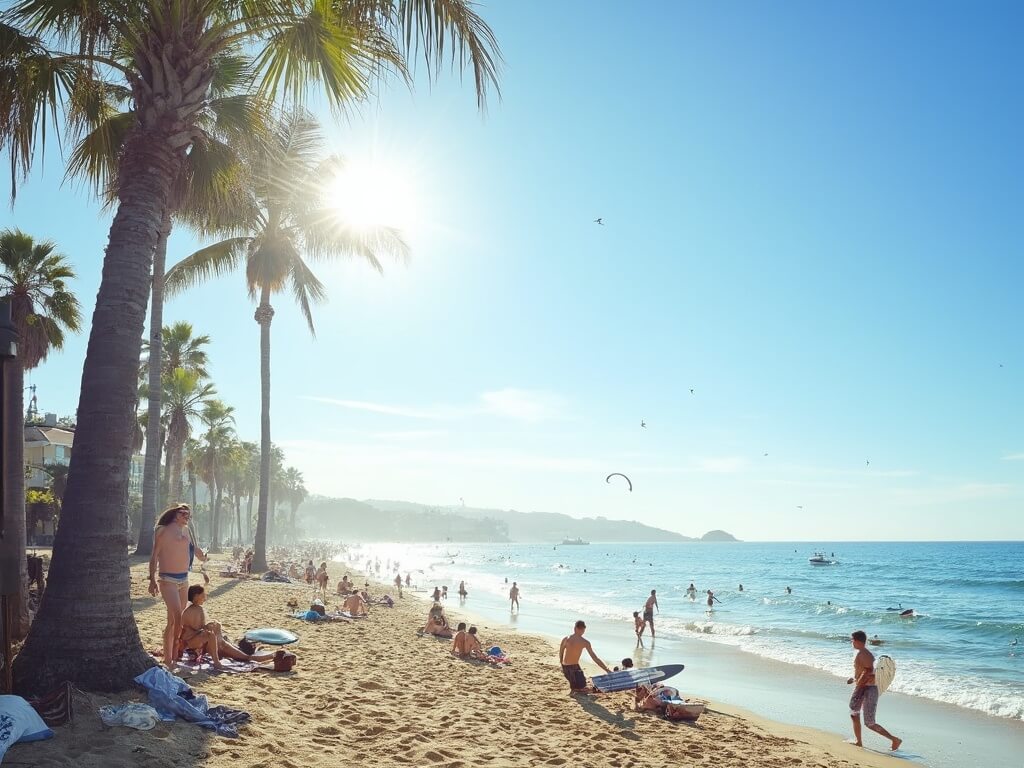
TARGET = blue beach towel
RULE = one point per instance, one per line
(171, 697)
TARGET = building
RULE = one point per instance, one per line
(45, 444)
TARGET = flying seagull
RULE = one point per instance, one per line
(799, 507)
(599, 220)
(643, 424)
(867, 462)
(766, 454)
(691, 391)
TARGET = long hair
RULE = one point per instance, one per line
(169, 514)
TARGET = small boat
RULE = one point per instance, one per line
(574, 542)
(819, 559)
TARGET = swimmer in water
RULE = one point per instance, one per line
(691, 591)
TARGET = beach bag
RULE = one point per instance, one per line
(284, 661)
(688, 710)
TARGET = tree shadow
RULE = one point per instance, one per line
(618, 719)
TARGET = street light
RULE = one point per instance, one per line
(11, 554)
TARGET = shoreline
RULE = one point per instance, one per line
(935, 734)
(370, 692)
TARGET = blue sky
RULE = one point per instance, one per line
(812, 219)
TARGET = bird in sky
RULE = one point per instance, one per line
(766, 454)
(799, 507)
(599, 220)
(867, 462)
(643, 424)
(691, 391)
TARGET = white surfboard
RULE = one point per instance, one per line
(885, 671)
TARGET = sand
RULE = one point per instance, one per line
(372, 693)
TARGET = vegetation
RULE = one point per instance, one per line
(62, 66)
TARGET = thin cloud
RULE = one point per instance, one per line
(513, 404)
(1014, 457)
(723, 465)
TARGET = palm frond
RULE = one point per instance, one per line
(307, 290)
(206, 263)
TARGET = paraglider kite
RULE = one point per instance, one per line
(613, 474)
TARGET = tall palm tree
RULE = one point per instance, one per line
(178, 348)
(251, 482)
(283, 218)
(296, 493)
(186, 397)
(54, 53)
(218, 420)
(33, 277)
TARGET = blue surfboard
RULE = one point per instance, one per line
(270, 636)
(630, 678)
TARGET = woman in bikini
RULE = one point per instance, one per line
(202, 636)
(172, 551)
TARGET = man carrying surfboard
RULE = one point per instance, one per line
(569, 653)
(865, 692)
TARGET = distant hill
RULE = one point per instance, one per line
(718, 536)
(352, 520)
(547, 527)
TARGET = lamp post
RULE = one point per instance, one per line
(10, 551)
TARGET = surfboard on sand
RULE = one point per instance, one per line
(630, 678)
(885, 671)
(270, 636)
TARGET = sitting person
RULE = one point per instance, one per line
(355, 605)
(344, 586)
(202, 636)
(654, 696)
(472, 646)
(437, 622)
(459, 643)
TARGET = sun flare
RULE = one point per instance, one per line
(368, 194)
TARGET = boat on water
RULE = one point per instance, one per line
(574, 542)
(819, 559)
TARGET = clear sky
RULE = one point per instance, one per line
(811, 259)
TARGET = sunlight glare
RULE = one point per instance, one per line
(371, 193)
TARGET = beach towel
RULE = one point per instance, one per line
(141, 717)
(205, 664)
(19, 723)
(171, 697)
(56, 708)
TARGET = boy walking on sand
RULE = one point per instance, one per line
(865, 692)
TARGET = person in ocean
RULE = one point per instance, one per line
(513, 596)
(173, 550)
(462, 590)
(649, 606)
(691, 591)
(865, 692)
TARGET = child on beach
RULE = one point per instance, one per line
(638, 627)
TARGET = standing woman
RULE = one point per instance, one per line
(173, 550)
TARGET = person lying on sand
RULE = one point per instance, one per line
(202, 636)
(437, 622)
(355, 605)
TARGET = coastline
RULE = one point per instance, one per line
(781, 694)
(371, 692)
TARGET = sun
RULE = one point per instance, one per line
(372, 193)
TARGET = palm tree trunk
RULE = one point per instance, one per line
(215, 542)
(85, 634)
(175, 454)
(151, 469)
(248, 518)
(193, 479)
(264, 316)
(238, 516)
(14, 490)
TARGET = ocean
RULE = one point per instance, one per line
(957, 649)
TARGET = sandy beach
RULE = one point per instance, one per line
(371, 692)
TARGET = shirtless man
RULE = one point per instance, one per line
(172, 547)
(398, 583)
(204, 636)
(569, 653)
(355, 605)
(513, 596)
(865, 692)
(649, 606)
(459, 643)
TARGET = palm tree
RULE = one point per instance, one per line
(218, 420)
(283, 219)
(296, 493)
(251, 482)
(178, 348)
(185, 399)
(54, 53)
(33, 278)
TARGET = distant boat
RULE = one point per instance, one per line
(819, 559)
(574, 542)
